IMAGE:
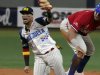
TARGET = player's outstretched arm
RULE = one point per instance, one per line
(45, 5)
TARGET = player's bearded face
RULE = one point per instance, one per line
(97, 16)
(27, 18)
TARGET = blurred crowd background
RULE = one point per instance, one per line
(55, 3)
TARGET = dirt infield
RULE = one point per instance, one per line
(21, 72)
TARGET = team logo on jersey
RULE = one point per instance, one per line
(36, 33)
(76, 24)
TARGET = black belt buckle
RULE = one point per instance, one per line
(52, 49)
(49, 50)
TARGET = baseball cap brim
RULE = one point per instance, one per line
(26, 12)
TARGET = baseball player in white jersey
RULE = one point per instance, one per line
(35, 34)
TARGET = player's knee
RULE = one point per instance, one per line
(80, 54)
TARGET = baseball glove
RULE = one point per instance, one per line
(45, 5)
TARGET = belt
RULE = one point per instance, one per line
(46, 52)
(49, 50)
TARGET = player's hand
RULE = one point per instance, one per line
(26, 69)
(45, 5)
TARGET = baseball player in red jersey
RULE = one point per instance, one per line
(75, 29)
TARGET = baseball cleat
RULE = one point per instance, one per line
(76, 73)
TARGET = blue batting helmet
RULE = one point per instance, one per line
(97, 9)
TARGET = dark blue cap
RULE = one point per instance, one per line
(27, 10)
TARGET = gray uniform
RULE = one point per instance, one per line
(89, 44)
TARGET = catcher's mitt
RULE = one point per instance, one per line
(45, 5)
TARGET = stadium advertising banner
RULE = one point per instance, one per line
(8, 17)
(58, 15)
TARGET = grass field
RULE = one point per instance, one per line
(11, 56)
